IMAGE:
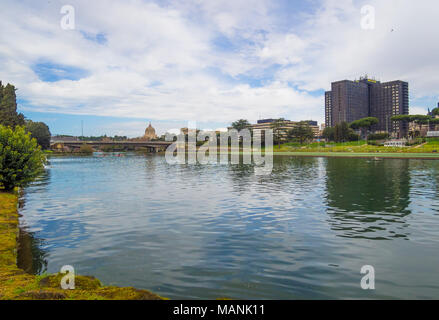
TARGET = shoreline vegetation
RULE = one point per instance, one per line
(16, 284)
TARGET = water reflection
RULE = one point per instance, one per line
(31, 257)
(209, 231)
(368, 198)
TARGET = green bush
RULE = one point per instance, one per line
(353, 137)
(21, 159)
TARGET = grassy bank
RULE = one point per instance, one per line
(399, 155)
(18, 285)
(428, 150)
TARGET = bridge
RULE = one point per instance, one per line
(151, 146)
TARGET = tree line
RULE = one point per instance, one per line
(343, 131)
(301, 132)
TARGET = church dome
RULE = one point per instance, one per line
(150, 133)
(150, 130)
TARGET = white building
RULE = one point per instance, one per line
(432, 134)
(396, 143)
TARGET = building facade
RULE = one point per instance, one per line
(352, 100)
(287, 125)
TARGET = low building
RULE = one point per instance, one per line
(433, 134)
(287, 125)
(396, 143)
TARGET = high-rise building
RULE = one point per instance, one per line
(352, 100)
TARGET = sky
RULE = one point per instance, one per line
(128, 63)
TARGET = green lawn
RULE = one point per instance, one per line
(360, 148)
(362, 155)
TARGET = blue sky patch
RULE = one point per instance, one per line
(52, 72)
(98, 37)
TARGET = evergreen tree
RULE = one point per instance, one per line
(240, 124)
(302, 132)
(8, 107)
(329, 133)
(341, 132)
(364, 124)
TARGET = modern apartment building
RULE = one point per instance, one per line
(353, 100)
(287, 125)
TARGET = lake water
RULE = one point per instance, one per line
(210, 231)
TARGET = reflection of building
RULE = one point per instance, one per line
(287, 125)
(368, 198)
(149, 133)
(352, 100)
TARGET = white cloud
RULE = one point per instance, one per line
(418, 110)
(163, 62)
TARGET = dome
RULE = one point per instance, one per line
(150, 133)
(150, 130)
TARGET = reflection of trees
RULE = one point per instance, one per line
(31, 257)
(367, 198)
(287, 168)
